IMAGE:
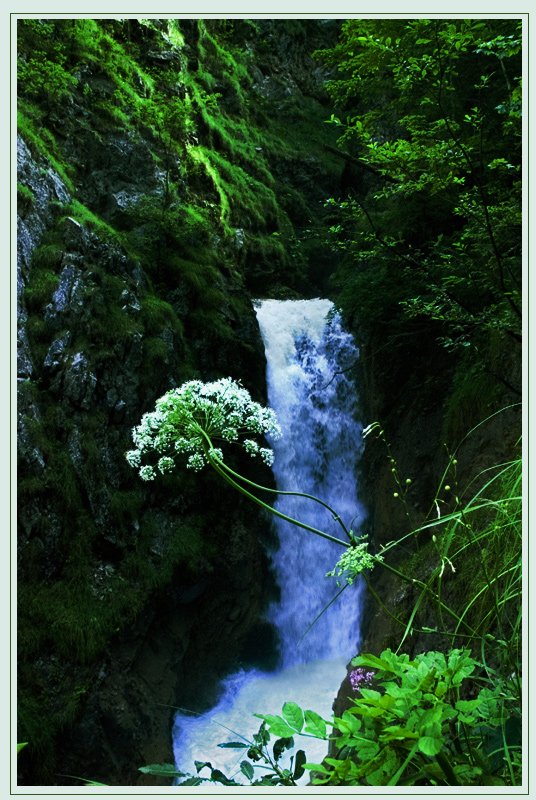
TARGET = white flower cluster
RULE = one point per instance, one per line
(353, 561)
(221, 409)
(252, 447)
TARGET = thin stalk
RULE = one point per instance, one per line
(323, 611)
(336, 517)
(214, 464)
(373, 593)
(426, 589)
(224, 471)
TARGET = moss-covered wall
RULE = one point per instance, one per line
(168, 170)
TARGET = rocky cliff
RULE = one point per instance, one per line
(159, 189)
(448, 432)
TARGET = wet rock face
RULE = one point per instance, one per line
(86, 376)
(118, 171)
(413, 428)
(170, 657)
(288, 64)
(45, 187)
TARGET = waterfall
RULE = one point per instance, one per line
(315, 404)
(308, 357)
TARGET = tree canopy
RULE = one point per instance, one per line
(432, 107)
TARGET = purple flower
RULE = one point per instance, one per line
(360, 678)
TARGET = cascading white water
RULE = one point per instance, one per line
(315, 404)
(307, 358)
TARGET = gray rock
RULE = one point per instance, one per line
(167, 338)
(24, 360)
(27, 450)
(75, 236)
(68, 297)
(79, 382)
(56, 354)
(164, 58)
(46, 186)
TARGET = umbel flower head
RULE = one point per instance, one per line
(187, 420)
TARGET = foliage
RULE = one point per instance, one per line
(354, 561)
(433, 110)
(257, 750)
(419, 728)
(466, 527)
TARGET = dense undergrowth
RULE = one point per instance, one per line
(447, 718)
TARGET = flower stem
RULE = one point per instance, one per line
(336, 517)
(224, 470)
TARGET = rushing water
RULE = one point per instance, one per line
(308, 357)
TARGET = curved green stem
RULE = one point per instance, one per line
(323, 611)
(223, 472)
(396, 619)
(332, 511)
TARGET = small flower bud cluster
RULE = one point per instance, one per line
(360, 678)
(353, 561)
(186, 420)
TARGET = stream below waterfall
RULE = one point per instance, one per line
(309, 357)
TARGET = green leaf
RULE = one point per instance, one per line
(262, 737)
(247, 769)
(293, 715)
(280, 745)
(200, 764)
(315, 725)
(467, 705)
(193, 781)
(96, 783)
(368, 660)
(234, 745)
(397, 732)
(367, 749)
(317, 768)
(431, 742)
(380, 776)
(165, 770)
(277, 725)
(299, 765)
(217, 776)
(20, 746)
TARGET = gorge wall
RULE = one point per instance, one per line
(168, 171)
